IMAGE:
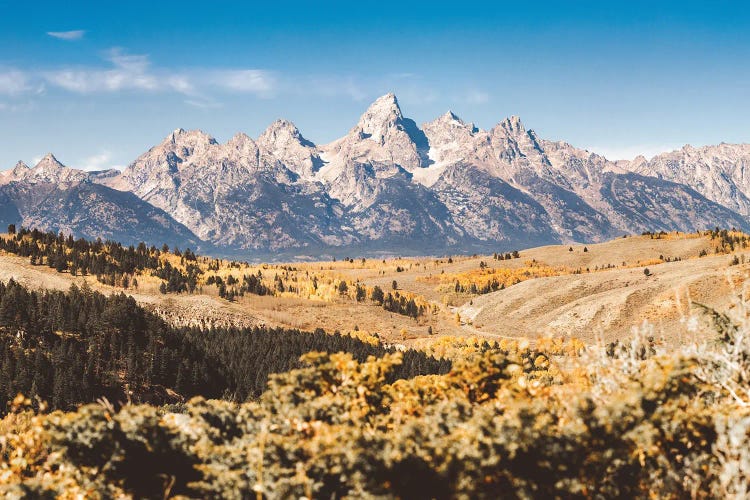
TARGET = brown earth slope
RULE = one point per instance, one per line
(601, 292)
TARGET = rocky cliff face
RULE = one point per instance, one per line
(720, 173)
(391, 186)
(239, 194)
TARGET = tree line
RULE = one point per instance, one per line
(73, 347)
(109, 261)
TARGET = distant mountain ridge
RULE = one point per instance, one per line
(387, 186)
(51, 196)
(721, 173)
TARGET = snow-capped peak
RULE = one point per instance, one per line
(450, 121)
(382, 136)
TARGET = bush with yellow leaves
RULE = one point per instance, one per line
(625, 421)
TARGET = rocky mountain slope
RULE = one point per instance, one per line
(389, 186)
(51, 196)
(235, 195)
(720, 173)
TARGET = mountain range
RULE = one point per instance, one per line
(389, 186)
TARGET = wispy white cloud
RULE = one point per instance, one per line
(181, 84)
(203, 103)
(331, 86)
(416, 93)
(476, 96)
(67, 35)
(128, 72)
(136, 63)
(203, 88)
(132, 72)
(254, 81)
(15, 106)
(99, 161)
(15, 82)
(405, 75)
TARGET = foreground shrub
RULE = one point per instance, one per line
(625, 420)
(499, 424)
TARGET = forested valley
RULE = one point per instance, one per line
(78, 346)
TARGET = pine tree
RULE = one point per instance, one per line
(377, 295)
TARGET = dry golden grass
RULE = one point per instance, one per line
(544, 293)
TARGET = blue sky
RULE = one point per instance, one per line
(98, 86)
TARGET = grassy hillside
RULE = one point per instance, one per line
(584, 291)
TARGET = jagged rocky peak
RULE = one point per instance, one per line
(382, 115)
(511, 126)
(511, 137)
(282, 133)
(20, 168)
(450, 115)
(280, 127)
(384, 123)
(382, 135)
(184, 143)
(49, 169)
(450, 138)
(14, 174)
(638, 163)
(189, 138)
(49, 164)
(240, 144)
(241, 137)
(283, 140)
(449, 121)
